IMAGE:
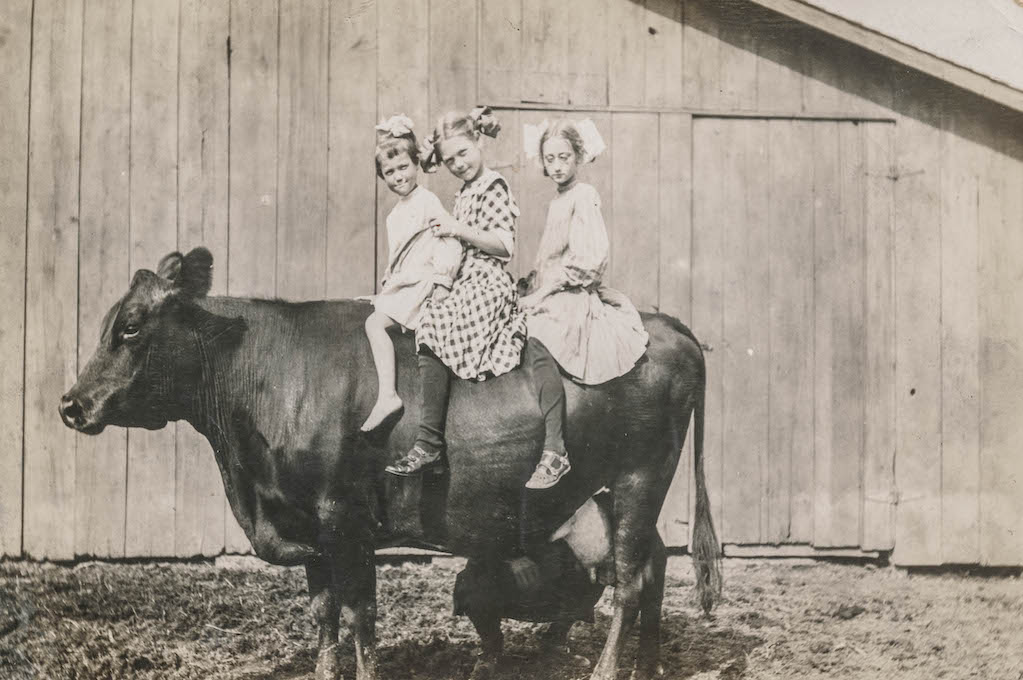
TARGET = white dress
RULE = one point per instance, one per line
(417, 259)
(593, 331)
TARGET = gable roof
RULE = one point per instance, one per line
(977, 45)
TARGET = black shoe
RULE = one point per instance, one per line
(412, 462)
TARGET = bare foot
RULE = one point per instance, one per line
(385, 407)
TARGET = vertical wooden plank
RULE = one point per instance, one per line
(701, 80)
(675, 229)
(960, 346)
(675, 234)
(15, 65)
(1001, 354)
(302, 151)
(531, 189)
(781, 55)
(879, 416)
(627, 68)
(51, 292)
(500, 53)
(663, 34)
(153, 206)
(100, 481)
(839, 335)
(635, 238)
(351, 184)
(252, 243)
(452, 79)
(544, 51)
(711, 197)
(918, 326)
(822, 88)
(789, 497)
(737, 59)
(585, 58)
(832, 88)
(253, 163)
(202, 220)
(745, 329)
(403, 73)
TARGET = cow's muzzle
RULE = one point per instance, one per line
(77, 414)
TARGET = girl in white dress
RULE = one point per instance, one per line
(593, 331)
(421, 265)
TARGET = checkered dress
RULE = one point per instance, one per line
(478, 330)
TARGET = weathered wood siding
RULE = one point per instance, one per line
(842, 233)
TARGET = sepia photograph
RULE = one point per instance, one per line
(511, 339)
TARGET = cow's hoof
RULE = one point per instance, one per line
(647, 674)
(484, 669)
(328, 665)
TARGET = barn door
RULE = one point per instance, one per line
(792, 291)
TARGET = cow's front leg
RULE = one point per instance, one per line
(326, 608)
(358, 579)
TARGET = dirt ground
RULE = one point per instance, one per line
(779, 619)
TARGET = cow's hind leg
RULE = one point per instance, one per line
(650, 599)
(638, 496)
(326, 609)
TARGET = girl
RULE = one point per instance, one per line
(478, 330)
(420, 264)
(594, 332)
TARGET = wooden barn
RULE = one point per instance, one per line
(836, 213)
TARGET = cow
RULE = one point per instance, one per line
(280, 390)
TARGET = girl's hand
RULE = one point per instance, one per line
(446, 225)
(440, 292)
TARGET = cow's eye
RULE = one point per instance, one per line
(130, 331)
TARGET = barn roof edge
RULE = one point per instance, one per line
(898, 51)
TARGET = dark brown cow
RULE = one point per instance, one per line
(279, 390)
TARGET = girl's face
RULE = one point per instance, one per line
(399, 173)
(559, 160)
(462, 157)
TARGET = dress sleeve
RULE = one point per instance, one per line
(498, 211)
(447, 252)
(585, 258)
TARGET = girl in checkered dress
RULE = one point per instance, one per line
(478, 330)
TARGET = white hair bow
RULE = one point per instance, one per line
(397, 125)
(593, 143)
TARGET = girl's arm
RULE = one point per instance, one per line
(585, 259)
(490, 242)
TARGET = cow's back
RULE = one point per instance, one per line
(321, 383)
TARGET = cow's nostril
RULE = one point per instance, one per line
(70, 409)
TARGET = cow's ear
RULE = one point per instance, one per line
(192, 274)
(170, 266)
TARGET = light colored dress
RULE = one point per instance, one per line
(478, 330)
(417, 259)
(593, 331)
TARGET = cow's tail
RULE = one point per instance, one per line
(705, 549)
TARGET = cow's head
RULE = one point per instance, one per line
(153, 342)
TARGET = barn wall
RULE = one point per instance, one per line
(132, 129)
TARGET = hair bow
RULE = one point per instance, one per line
(429, 157)
(484, 121)
(593, 143)
(398, 125)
